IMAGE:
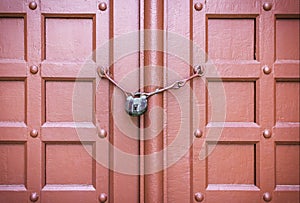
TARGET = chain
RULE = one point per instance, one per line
(198, 72)
(103, 73)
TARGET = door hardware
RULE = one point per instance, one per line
(136, 103)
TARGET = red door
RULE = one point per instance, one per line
(50, 161)
(230, 136)
(251, 154)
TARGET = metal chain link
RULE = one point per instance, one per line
(103, 73)
(198, 72)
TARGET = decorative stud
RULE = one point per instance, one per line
(267, 133)
(267, 70)
(102, 6)
(34, 133)
(198, 6)
(102, 197)
(102, 133)
(198, 133)
(34, 69)
(267, 197)
(267, 6)
(34, 197)
(199, 197)
(33, 5)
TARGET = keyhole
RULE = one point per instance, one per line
(135, 106)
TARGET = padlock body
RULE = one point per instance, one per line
(136, 106)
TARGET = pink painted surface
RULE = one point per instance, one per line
(240, 38)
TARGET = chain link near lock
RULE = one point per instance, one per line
(137, 102)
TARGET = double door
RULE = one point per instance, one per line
(231, 135)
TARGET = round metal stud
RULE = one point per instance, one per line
(267, 133)
(34, 133)
(34, 197)
(102, 133)
(267, 6)
(102, 6)
(199, 197)
(267, 197)
(33, 5)
(198, 6)
(198, 133)
(102, 197)
(34, 69)
(267, 70)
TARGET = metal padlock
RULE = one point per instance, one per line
(136, 106)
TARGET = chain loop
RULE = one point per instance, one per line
(198, 72)
(104, 73)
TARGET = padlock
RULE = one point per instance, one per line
(136, 106)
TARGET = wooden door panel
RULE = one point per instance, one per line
(13, 102)
(232, 7)
(75, 45)
(70, 34)
(177, 182)
(62, 158)
(229, 168)
(65, 47)
(234, 34)
(286, 120)
(240, 61)
(287, 164)
(77, 6)
(232, 196)
(13, 45)
(220, 170)
(13, 173)
(287, 110)
(38, 128)
(59, 101)
(68, 196)
(287, 38)
(235, 90)
(126, 68)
